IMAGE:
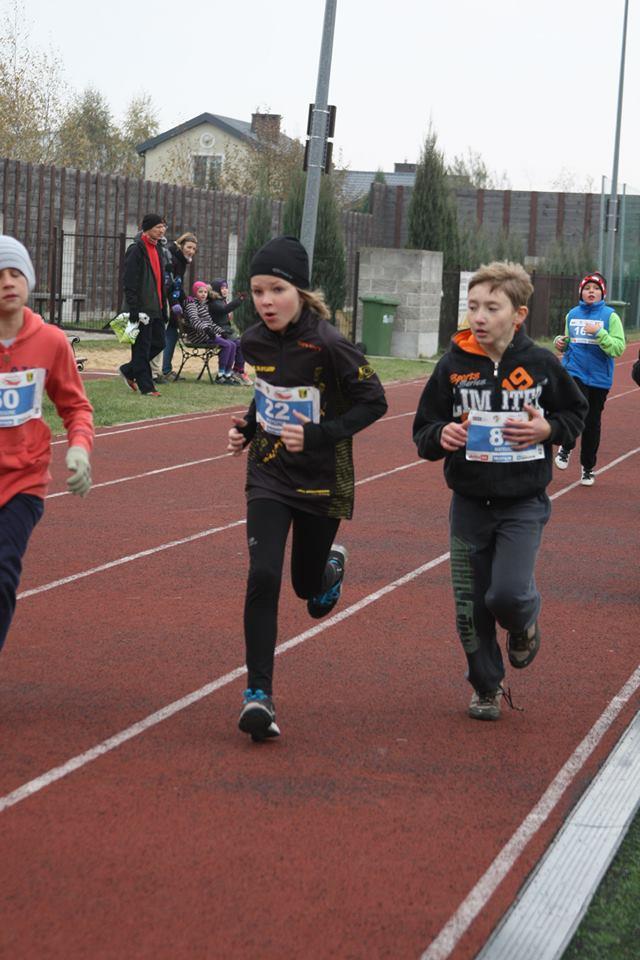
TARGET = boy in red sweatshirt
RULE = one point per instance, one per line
(34, 357)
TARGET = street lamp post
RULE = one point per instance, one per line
(613, 202)
(318, 137)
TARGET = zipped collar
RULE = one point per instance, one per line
(465, 341)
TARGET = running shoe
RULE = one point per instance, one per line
(258, 715)
(562, 458)
(151, 393)
(523, 647)
(324, 603)
(132, 385)
(485, 706)
(245, 378)
(588, 477)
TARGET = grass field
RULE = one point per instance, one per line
(611, 928)
(114, 403)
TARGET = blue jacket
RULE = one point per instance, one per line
(589, 356)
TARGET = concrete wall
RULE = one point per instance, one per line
(414, 277)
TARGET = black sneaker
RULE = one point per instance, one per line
(258, 715)
(132, 385)
(588, 477)
(324, 603)
(522, 647)
(562, 458)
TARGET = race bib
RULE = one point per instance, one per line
(577, 331)
(485, 440)
(21, 397)
(275, 406)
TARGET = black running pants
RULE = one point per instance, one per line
(268, 523)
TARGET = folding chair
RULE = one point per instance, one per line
(197, 351)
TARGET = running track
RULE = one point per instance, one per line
(137, 822)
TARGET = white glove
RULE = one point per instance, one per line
(78, 462)
(143, 319)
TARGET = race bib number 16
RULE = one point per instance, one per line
(20, 397)
(275, 406)
(485, 439)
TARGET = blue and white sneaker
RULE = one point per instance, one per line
(324, 603)
(258, 715)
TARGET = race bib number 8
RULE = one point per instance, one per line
(485, 439)
(275, 406)
(20, 397)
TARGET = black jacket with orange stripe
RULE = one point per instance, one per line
(465, 379)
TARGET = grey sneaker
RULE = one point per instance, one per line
(485, 706)
(588, 477)
(522, 647)
(258, 715)
(562, 458)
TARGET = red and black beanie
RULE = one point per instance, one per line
(594, 278)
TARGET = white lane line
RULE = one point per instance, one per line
(167, 421)
(546, 914)
(133, 556)
(178, 543)
(81, 760)
(477, 899)
(625, 393)
(141, 476)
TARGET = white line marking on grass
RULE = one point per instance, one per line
(81, 760)
(477, 899)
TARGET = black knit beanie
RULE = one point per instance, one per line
(151, 220)
(283, 257)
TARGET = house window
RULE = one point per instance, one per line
(206, 171)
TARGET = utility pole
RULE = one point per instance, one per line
(317, 141)
(613, 201)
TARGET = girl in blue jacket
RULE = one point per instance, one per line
(594, 335)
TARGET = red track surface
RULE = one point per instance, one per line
(364, 829)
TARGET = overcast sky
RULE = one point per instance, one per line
(532, 87)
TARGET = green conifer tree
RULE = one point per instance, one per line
(258, 232)
(329, 272)
(432, 213)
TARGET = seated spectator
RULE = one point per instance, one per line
(202, 330)
(222, 313)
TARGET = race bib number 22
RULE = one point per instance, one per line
(275, 406)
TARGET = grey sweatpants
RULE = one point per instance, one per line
(493, 554)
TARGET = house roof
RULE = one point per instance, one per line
(357, 183)
(237, 128)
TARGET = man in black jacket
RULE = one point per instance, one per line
(145, 299)
(492, 408)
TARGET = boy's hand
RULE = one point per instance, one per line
(561, 343)
(591, 327)
(236, 440)
(77, 460)
(293, 434)
(454, 436)
(523, 433)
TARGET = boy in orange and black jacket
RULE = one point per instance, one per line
(493, 407)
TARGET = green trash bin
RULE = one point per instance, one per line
(378, 315)
(619, 306)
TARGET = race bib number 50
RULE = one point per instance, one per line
(20, 397)
(485, 439)
(275, 406)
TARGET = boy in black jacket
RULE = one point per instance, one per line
(492, 408)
